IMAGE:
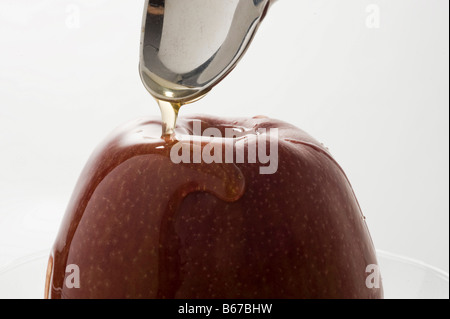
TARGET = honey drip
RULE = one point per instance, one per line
(169, 115)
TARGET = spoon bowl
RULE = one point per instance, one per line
(187, 47)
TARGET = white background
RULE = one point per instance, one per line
(377, 97)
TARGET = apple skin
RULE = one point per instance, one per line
(140, 226)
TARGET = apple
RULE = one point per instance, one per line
(143, 225)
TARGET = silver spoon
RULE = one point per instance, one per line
(188, 46)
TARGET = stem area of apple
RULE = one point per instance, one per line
(237, 146)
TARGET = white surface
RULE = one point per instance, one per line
(377, 97)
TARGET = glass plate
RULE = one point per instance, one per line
(403, 278)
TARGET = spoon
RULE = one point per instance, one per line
(187, 47)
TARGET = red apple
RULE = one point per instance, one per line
(141, 226)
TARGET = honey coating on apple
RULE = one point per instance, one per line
(133, 192)
(140, 226)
